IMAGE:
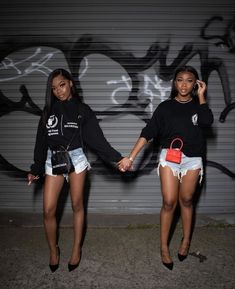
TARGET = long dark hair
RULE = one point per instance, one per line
(50, 98)
(187, 68)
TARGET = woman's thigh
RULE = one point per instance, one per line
(189, 184)
(77, 182)
(169, 184)
(52, 188)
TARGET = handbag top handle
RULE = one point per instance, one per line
(177, 139)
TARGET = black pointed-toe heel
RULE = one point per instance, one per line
(53, 267)
(183, 257)
(169, 266)
(72, 267)
(56, 266)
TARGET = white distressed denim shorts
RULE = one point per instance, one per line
(180, 170)
(78, 158)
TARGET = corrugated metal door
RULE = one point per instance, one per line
(122, 56)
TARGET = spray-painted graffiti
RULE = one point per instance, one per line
(152, 88)
(225, 39)
(124, 84)
(135, 83)
(35, 62)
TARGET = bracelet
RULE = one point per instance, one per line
(131, 159)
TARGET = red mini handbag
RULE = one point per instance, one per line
(174, 154)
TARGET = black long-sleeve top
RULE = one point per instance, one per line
(173, 119)
(66, 117)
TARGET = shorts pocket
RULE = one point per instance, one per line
(48, 160)
(78, 157)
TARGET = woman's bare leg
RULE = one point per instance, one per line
(169, 187)
(52, 188)
(76, 190)
(186, 191)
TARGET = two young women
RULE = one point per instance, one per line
(183, 115)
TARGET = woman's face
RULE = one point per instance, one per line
(184, 83)
(61, 87)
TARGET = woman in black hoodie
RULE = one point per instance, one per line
(182, 117)
(66, 122)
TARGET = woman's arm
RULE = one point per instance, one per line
(94, 137)
(126, 163)
(151, 130)
(205, 115)
(40, 150)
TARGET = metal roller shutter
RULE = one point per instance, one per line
(122, 55)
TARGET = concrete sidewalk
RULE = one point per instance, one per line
(119, 252)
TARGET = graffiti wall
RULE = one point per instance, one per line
(122, 57)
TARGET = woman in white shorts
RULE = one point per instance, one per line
(66, 122)
(183, 115)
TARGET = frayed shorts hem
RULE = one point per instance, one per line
(78, 158)
(180, 170)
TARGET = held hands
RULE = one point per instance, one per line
(125, 164)
(31, 178)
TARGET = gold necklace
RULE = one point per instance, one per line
(183, 101)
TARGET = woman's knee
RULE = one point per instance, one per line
(77, 206)
(49, 212)
(169, 205)
(186, 202)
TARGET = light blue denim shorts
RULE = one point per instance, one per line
(78, 158)
(180, 170)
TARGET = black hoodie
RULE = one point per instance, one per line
(173, 119)
(66, 117)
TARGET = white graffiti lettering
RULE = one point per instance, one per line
(84, 69)
(27, 65)
(153, 88)
(127, 87)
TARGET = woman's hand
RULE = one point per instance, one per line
(31, 178)
(201, 89)
(125, 164)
